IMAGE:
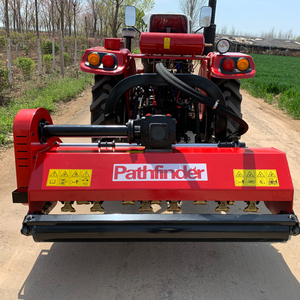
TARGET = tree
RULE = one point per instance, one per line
(117, 11)
(192, 8)
(53, 35)
(76, 4)
(103, 19)
(115, 23)
(69, 15)
(140, 24)
(95, 18)
(141, 8)
(38, 37)
(224, 30)
(8, 42)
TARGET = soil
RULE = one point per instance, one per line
(30, 270)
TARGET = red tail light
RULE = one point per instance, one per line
(108, 61)
(228, 64)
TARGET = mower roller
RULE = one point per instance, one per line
(159, 134)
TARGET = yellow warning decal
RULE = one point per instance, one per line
(245, 177)
(167, 42)
(72, 177)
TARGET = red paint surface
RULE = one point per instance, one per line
(180, 43)
(220, 163)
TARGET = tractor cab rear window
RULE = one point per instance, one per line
(168, 23)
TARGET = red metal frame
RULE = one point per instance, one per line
(217, 183)
(182, 46)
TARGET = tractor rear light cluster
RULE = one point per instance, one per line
(102, 60)
(234, 65)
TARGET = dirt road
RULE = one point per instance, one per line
(166, 271)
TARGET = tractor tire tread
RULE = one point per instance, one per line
(231, 91)
(100, 91)
(99, 82)
(99, 102)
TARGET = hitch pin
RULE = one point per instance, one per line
(216, 104)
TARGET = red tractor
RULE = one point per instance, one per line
(122, 92)
(159, 134)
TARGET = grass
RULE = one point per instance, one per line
(277, 81)
(53, 90)
(135, 50)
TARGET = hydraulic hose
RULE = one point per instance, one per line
(199, 97)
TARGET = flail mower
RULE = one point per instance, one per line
(160, 134)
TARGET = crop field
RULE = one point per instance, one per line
(277, 80)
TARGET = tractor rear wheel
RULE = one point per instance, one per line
(231, 91)
(100, 91)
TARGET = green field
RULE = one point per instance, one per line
(277, 80)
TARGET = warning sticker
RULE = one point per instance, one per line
(167, 42)
(63, 177)
(245, 177)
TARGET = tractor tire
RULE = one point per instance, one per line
(100, 91)
(231, 91)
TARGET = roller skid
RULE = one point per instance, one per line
(50, 172)
(130, 227)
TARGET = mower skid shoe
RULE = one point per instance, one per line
(189, 227)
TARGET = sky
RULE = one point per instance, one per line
(249, 16)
